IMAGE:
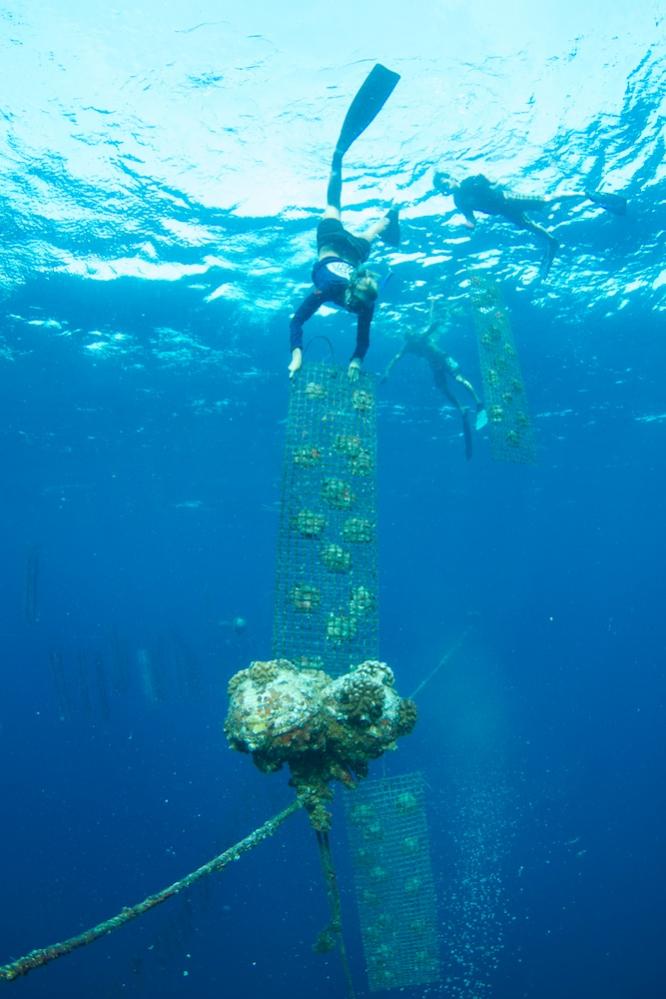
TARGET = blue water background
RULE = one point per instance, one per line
(162, 170)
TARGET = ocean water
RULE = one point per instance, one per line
(162, 171)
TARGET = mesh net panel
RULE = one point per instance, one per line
(389, 840)
(326, 599)
(326, 618)
(509, 424)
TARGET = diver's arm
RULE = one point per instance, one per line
(463, 206)
(362, 344)
(305, 311)
(469, 217)
(362, 334)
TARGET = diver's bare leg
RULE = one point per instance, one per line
(334, 189)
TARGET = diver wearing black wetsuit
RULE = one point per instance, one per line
(338, 275)
(444, 369)
(478, 194)
(340, 255)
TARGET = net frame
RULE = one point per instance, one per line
(512, 437)
(326, 573)
(397, 903)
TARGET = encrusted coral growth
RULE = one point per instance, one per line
(335, 558)
(307, 456)
(362, 601)
(305, 597)
(357, 529)
(308, 523)
(362, 401)
(361, 463)
(340, 628)
(314, 390)
(347, 444)
(323, 729)
(337, 494)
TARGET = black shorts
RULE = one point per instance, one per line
(331, 233)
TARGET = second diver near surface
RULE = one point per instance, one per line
(479, 194)
(339, 276)
(445, 369)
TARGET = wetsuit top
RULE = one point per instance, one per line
(478, 194)
(441, 364)
(330, 277)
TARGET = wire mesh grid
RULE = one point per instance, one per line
(509, 424)
(389, 840)
(326, 578)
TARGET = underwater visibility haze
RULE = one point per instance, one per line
(163, 169)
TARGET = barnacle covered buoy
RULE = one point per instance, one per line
(323, 729)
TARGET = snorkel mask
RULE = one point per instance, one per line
(361, 292)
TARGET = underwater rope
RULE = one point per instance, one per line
(332, 934)
(326, 340)
(442, 662)
(37, 958)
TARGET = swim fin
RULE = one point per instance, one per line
(614, 203)
(366, 105)
(549, 255)
(467, 434)
(391, 235)
(481, 418)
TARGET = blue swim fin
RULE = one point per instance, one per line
(366, 105)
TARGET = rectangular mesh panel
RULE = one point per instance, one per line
(388, 834)
(326, 578)
(509, 425)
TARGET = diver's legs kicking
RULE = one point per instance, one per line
(552, 245)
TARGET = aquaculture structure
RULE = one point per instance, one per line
(509, 424)
(325, 706)
(326, 574)
(326, 620)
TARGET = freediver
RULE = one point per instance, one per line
(478, 194)
(445, 369)
(338, 275)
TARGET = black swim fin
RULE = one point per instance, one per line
(391, 235)
(614, 203)
(467, 434)
(549, 255)
(368, 102)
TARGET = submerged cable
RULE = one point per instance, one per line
(332, 934)
(442, 662)
(326, 340)
(37, 958)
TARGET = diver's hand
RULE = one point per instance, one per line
(354, 369)
(296, 361)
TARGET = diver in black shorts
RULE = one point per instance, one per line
(445, 369)
(478, 194)
(339, 276)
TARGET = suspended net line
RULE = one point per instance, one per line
(44, 955)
